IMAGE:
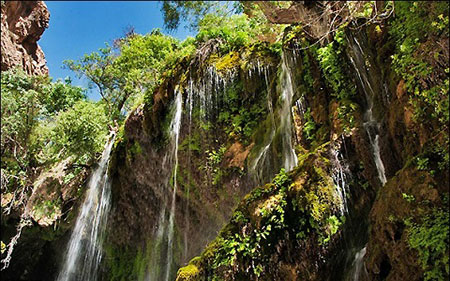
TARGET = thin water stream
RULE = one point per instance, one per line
(160, 265)
(281, 125)
(371, 125)
(84, 252)
(175, 132)
(290, 158)
(358, 264)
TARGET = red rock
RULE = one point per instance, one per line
(22, 24)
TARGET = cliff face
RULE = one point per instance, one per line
(360, 112)
(196, 168)
(22, 24)
(211, 167)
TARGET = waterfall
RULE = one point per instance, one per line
(281, 125)
(161, 259)
(371, 126)
(175, 132)
(84, 251)
(190, 102)
(339, 175)
(358, 264)
(261, 157)
(290, 158)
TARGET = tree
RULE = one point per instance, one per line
(134, 67)
(25, 102)
(319, 18)
(193, 11)
(98, 68)
(79, 132)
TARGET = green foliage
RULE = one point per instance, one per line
(28, 105)
(240, 120)
(251, 246)
(281, 179)
(333, 66)
(238, 217)
(333, 224)
(422, 163)
(430, 238)
(98, 68)
(415, 27)
(79, 132)
(330, 60)
(127, 75)
(236, 31)
(192, 142)
(62, 95)
(214, 159)
(408, 198)
(193, 11)
(309, 128)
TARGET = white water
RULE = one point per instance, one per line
(339, 175)
(85, 247)
(358, 264)
(260, 159)
(190, 102)
(281, 125)
(290, 158)
(370, 125)
(175, 132)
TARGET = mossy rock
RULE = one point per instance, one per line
(188, 273)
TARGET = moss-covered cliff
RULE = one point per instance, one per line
(293, 231)
(321, 154)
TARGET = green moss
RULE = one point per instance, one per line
(135, 149)
(120, 263)
(188, 273)
(126, 263)
(191, 143)
(227, 62)
(302, 203)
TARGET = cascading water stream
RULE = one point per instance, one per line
(84, 252)
(339, 175)
(160, 265)
(190, 102)
(371, 126)
(261, 157)
(290, 158)
(358, 264)
(175, 132)
(283, 125)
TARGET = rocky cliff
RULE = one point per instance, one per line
(319, 160)
(365, 123)
(22, 24)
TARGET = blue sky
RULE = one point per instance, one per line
(77, 28)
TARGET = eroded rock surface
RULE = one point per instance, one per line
(23, 23)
